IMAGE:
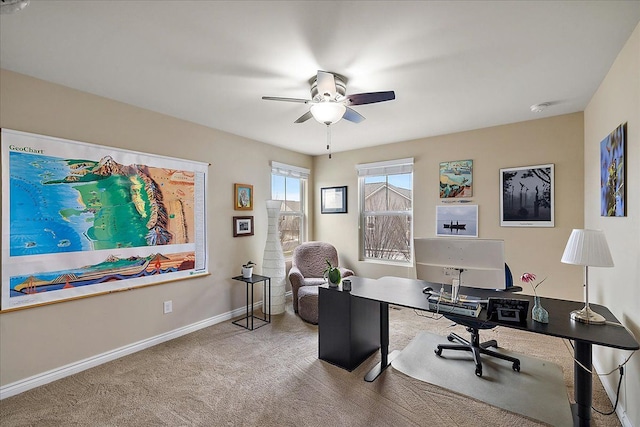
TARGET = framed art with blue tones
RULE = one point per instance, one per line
(613, 171)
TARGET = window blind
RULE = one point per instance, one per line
(389, 167)
(278, 168)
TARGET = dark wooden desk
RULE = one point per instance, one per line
(350, 331)
(408, 293)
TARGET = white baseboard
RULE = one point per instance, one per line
(90, 362)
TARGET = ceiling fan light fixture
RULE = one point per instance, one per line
(328, 112)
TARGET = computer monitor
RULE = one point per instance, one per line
(477, 263)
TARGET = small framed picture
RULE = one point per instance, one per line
(242, 226)
(243, 197)
(456, 179)
(457, 221)
(526, 196)
(333, 200)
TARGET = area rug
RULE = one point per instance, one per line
(537, 391)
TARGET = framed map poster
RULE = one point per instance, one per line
(80, 219)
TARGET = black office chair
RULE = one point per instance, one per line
(474, 345)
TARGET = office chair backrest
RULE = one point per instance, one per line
(508, 277)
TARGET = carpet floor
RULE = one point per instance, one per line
(225, 375)
(499, 385)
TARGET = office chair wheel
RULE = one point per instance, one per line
(438, 351)
(450, 338)
(479, 371)
(516, 366)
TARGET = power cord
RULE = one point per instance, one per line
(615, 405)
(431, 315)
(619, 368)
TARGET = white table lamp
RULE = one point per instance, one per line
(588, 248)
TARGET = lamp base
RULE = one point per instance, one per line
(586, 315)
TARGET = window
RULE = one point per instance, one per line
(386, 210)
(288, 184)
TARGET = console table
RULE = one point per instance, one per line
(266, 286)
(408, 293)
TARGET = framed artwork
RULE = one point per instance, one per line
(243, 197)
(613, 173)
(242, 226)
(457, 221)
(333, 200)
(82, 220)
(526, 197)
(456, 179)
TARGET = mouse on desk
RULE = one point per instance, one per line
(427, 290)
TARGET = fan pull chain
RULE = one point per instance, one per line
(329, 139)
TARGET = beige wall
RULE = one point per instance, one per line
(557, 140)
(617, 101)
(36, 340)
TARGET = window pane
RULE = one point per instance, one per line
(289, 232)
(387, 237)
(375, 193)
(387, 193)
(293, 189)
(290, 191)
(277, 187)
(386, 219)
(402, 185)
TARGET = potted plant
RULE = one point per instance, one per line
(333, 275)
(247, 269)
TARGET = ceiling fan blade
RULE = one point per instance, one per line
(370, 98)
(303, 118)
(353, 116)
(276, 98)
(326, 84)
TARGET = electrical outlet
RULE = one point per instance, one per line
(168, 307)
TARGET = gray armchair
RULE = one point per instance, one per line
(308, 264)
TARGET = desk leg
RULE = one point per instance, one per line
(385, 357)
(582, 383)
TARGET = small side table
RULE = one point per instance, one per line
(266, 286)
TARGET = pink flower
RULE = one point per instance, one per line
(529, 278)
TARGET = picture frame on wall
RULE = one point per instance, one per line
(243, 197)
(333, 200)
(457, 220)
(613, 173)
(456, 179)
(242, 226)
(527, 196)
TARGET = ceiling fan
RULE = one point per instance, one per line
(329, 102)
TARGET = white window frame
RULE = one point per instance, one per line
(385, 168)
(282, 169)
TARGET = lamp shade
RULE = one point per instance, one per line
(328, 112)
(587, 247)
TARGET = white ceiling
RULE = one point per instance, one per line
(454, 65)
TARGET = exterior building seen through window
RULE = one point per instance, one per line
(386, 210)
(288, 184)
